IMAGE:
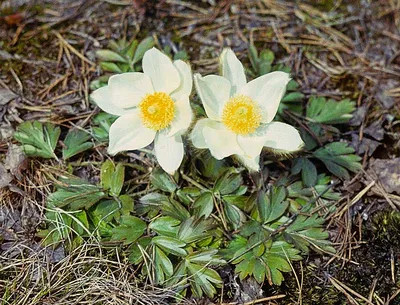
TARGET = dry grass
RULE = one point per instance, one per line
(85, 276)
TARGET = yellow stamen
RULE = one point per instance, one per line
(241, 115)
(157, 110)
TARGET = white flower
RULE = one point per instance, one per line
(152, 106)
(240, 114)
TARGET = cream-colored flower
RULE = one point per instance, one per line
(152, 106)
(240, 114)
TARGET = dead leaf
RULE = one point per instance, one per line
(5, 177)
(388, 172)
(6, 96)
(15, 160)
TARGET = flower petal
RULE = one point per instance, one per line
(197, 136)
(214, 92)
(186, 79)
(128, 133)
(103, 98)
(221, 142)
(183, 117)
(282, 138)
(169, 152)
(267, 90)
(232, 69)
(128, 89)
(251, 145)
(252, 164)
(164, 76)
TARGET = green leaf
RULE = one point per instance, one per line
(187, 194)
(293, 97)
(238, 201)
(105, 211)
(253, 56)
(162, 266)
(75, 143)
(110, 67)
(144, 45)
(338, 158)
(204, 279)
(137, 248)
(76, 194)
(170, 245)
(129, 230)
(80, 223)
(166, 226)
(272, 206)
(205, 257)
(204, 205)
(305, 232)
(112, 177)
(108, 55)
(38, 140)
(102, 123)
(163, 181)
(192, 230)
(117, 180)
(307, 169)
(228, 182)
(325, 111)
(234, 215)
(131, 49)
(126, 204)
(173, 208)
(106, 173)
(267, 264)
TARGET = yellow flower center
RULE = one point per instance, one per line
(241, 115)
(157, 110)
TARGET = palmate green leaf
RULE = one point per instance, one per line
(228, 182)
(204, 279)
(38, 140)
(203, 205)
(80, 223)
(76, 194)
(102, 123)
(187, 194)
(108, 55)
(322, 189)
(161, 180)
(144, 45)
(305, 232)
(137, 248)
(165, 225)
(129, 230)
(307, 169)
(163, 268)
(234, 216)
(338, 158)
(75, 143)
(111, 67)
(192, 230)
(273, 205)
(170, 245)
(173, 208)
(205, 257)
(321, 110)
(112, 177)
(273, 257)
(210, 167)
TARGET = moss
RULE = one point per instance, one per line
(374, 257)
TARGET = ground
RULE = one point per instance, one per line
(336, 49)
